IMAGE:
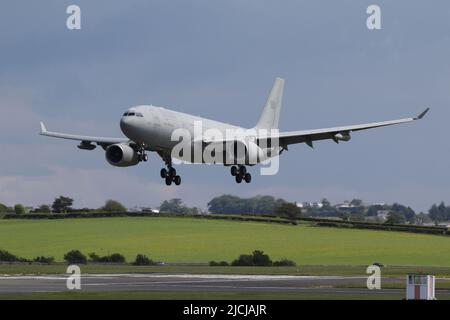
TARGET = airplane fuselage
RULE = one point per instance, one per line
(155, 129)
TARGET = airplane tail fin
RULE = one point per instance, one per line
(270, 114)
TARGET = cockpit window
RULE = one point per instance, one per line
(130, 114)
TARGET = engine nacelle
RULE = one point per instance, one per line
(342, 136)
(121, 155)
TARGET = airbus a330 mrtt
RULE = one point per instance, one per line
(150, 128)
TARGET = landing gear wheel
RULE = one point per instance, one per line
(238, 178)
(144, 157)
(234, 171)
(172, 172)
(248, 177)
(169, 174)
(242, 170)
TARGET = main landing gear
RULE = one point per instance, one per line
(240, 173)
(170, 175)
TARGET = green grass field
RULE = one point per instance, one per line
(201, 240)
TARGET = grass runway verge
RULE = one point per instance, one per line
(201, 240)
(197, 296)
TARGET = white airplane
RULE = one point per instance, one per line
(150, 128)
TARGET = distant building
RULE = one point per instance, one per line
(440, 224)
(383, 214)
(145, 209)
(306, 205)
(349, 208)
(429, 224)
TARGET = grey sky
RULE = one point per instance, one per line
(218, 59)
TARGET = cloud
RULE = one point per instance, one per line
(89, 187)
(92, 187)
(21, 110)
(218, 61)
(17, 112)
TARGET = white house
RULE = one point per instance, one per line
(383, 214)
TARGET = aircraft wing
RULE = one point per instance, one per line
(336, 134)
(85, 140)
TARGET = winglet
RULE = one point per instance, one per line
(420, 116)
(43, 128)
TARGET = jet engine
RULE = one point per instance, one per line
(121, 155)
(342, 136)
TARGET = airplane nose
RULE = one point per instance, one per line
(125, 125)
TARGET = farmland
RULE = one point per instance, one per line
(199, 240)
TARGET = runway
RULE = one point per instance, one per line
(192, 283)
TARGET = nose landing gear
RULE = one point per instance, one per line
(240, 173)
(142, 156)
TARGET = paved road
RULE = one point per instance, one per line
(189, 283)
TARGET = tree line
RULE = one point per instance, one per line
(354, 210)
(77, 257)
(63, 204)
